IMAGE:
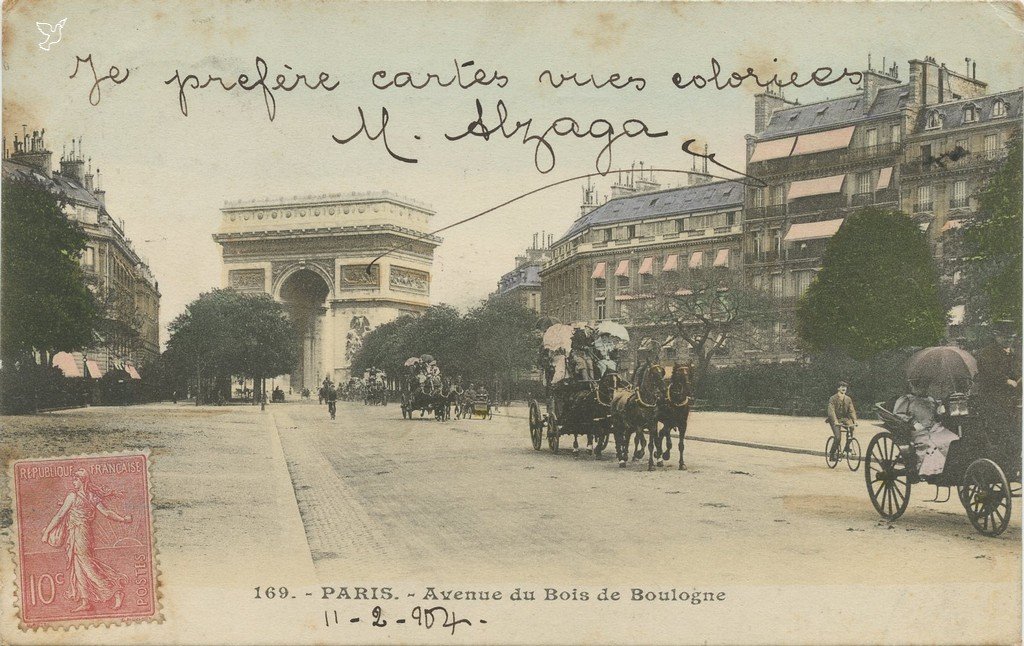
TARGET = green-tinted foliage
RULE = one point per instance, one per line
(495, 340)
(224, 333)
(46, 305)
(992, 246)
(877, 290)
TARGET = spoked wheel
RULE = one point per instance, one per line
(536, 425)
(887, 477)
(986, 497)
(552, 422)
(831, 460)
(853, 454)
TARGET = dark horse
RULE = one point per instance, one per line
(674, 411)
(635, 410)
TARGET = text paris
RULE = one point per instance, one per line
(543, 150)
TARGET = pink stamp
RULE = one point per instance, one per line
(85, 550)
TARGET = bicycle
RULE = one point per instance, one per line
(851, 451)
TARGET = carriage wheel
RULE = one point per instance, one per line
(986, 497)
(887, 477)
(853, 454)
(829, 460)
(536, 425)
(552, 422)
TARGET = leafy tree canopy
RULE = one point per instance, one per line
(992, 245)
(46, 305)
(877, 289)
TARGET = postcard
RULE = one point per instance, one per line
(510, 323)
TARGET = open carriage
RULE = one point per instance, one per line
(980, 463)
(574, 408)
(480, 408)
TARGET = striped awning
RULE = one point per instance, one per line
(722, 258)
(598, 271)
(671, 262)
(816, 186)
(951, 224)
(696, 259)
(884, 177)
(623, 268)
(813, 230)
(647, 266)
(822, 141)
(93, 368)
(65, 361)
(773, 149)
(132, 372)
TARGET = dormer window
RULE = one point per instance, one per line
(999, 108)
(970, 114)
(934, 121)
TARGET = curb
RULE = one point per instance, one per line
(713, 440)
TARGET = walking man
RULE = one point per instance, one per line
(840, 413)
(332, 399)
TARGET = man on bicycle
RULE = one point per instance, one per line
(841, 413)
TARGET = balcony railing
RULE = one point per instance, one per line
(938, 163)
(827, 158)
(959, 203)
(762, 257)
(923, 207)
(770, 211)
(817, 203)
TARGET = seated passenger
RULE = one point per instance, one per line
(931, 439)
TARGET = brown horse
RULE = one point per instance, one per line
(635, 410)
(674, 411)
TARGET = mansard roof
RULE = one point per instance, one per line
(57, 183)
(714, 196)
(836, 112)
(952, 113)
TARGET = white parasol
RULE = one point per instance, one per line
(412, 361)
(611, 328)
(558, 337)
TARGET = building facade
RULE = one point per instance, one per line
(824, 160)
(523, 283)
(318, 255)
(129, 295)
(614, 254)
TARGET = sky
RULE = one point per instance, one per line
(167, 174)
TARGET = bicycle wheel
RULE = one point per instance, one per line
(853, 454)
(831, 460)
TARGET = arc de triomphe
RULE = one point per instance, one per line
(311, 254)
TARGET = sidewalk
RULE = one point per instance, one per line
(804, 435)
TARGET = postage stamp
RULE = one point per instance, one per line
(84, 540)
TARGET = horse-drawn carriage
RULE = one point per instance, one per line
(574, 408)
(424, 390)
(981, 457)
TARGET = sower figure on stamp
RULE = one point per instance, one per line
(840, 413)
(89, 580)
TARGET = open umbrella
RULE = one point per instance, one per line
(427, 358)
(614, 329)
(941, 370)
(412, 361)
(558, 337)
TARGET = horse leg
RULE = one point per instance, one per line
(575, 445)
(621, 444)
(666, 431)
(652, 430)
(682, 437)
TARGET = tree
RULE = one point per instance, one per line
(226, 333)
(707, 308)
(46, 305)
(877, 290)
(503, 340)
(992, 243)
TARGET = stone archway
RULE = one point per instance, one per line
(304, 294)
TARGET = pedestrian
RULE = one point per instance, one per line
(332, 399)
(174, 397)
(841, 413)
(998, 388)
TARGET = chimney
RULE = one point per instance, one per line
(766, 104)
(31, 151)
(875, 80)
(101, 195)
(88, 177)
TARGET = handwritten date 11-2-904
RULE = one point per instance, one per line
(420, 616)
